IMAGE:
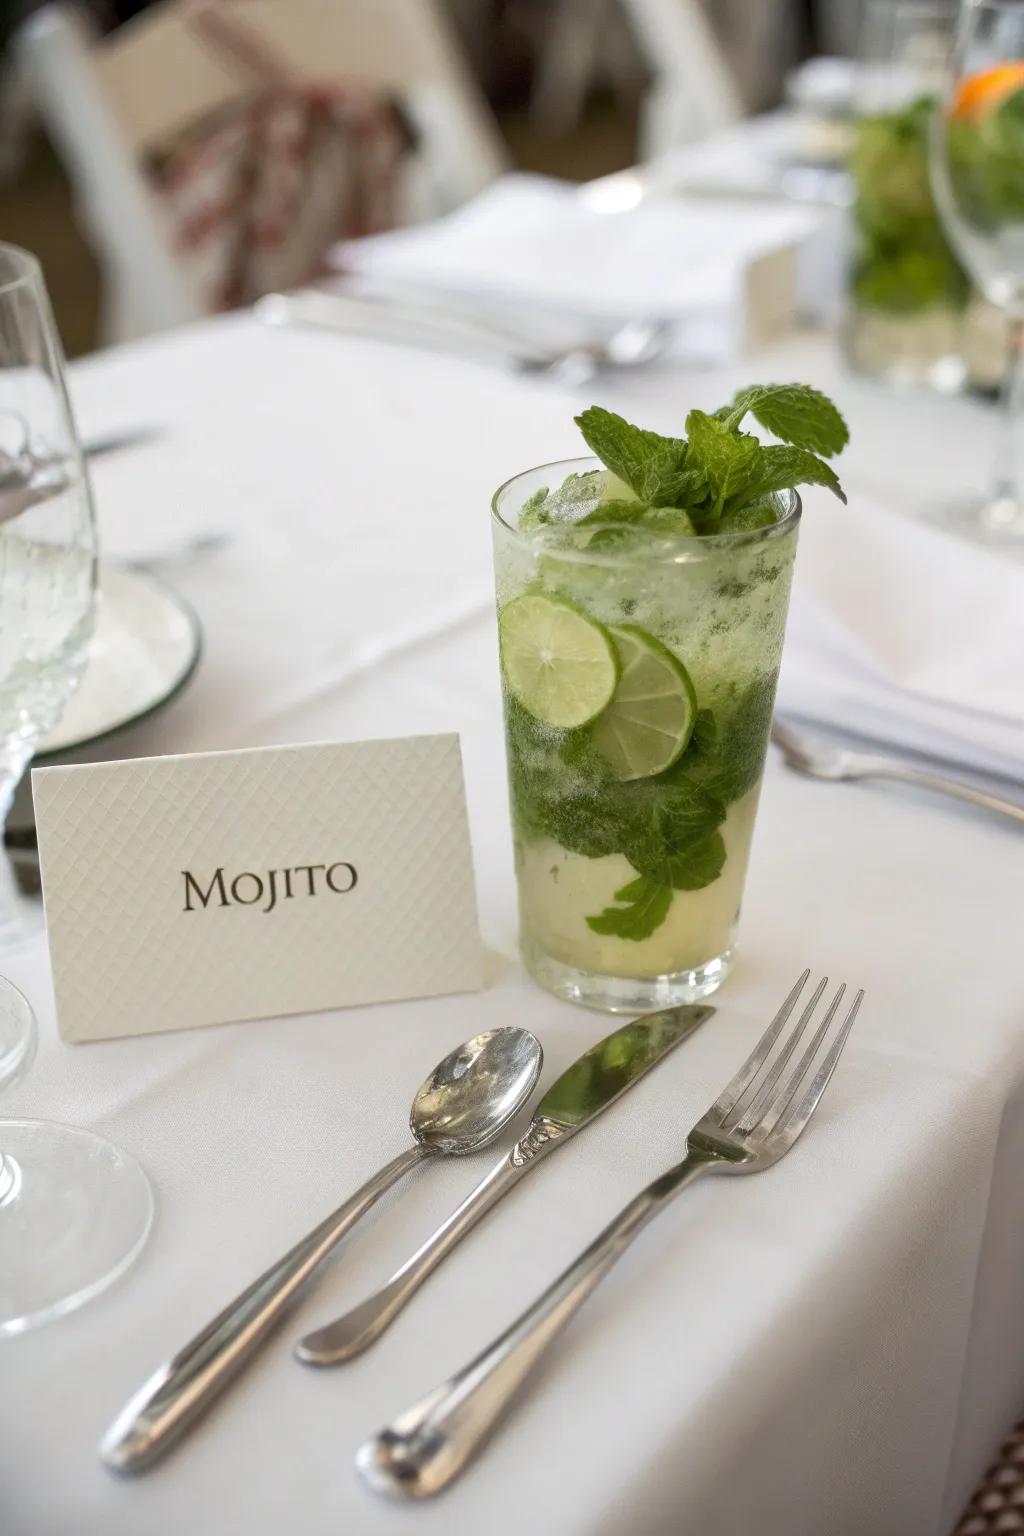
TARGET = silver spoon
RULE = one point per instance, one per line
(824, 760)
(464, 1104)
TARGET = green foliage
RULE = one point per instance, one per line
(986, 165)
(666, 826)
(704, 482)
(906, 280)
(902, 263)
(646, 908)
(796, 413)
(651, 465)
(779, 467)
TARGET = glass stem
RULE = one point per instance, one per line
(10, 1179)
(1007, 488)
(12, 766)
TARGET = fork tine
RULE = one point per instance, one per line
(771, 1111)
(738, 1085)
(768, 1095)
(765, 1084)
(791, 1121)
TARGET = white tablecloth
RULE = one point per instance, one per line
(835, 1346)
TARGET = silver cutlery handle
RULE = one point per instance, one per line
(351, 1334)
(429, 1444)
(415, 325)
(944, 786)
(183, 1387)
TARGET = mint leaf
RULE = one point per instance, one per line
(727, 758)
(650, 464)
(534, 513)
(726, 459)
(698, 864)
(688, 815)
(780, 468)
(704, 738)
(680, 845)
(688, 488)
(646, 908)
(796, 413)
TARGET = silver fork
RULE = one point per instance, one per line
(753, 1122)
(430, 323)
(821, 759)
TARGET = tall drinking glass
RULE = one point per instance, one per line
(73, 1209)
(632, 829)
(977, 169)
(907, 294)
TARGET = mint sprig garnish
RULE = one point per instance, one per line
(654, 467)
(717, 470)
(726, 460)
(779, 467)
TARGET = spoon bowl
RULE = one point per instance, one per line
(472, 1094)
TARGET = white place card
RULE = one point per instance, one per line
(193, 890)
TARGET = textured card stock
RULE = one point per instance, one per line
(233, 885)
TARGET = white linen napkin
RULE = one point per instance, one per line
(550, 247)
(907, 635)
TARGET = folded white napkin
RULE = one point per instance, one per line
(907, 635)
(553, 247)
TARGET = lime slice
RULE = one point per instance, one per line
(650, 718)
(560, 665)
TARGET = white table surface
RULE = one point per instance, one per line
(836, 1346)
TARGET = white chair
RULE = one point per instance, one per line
(106, 102)
(692, 92)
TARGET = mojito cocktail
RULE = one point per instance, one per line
(642, 600)
(908, 294)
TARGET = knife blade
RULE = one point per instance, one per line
(594, 1082)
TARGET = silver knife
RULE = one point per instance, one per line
(590, 1085)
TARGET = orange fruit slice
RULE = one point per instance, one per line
(979, 94)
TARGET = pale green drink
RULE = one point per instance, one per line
(633, 828)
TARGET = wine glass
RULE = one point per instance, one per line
(74, 1211)
(977, 170)
(47, 545)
